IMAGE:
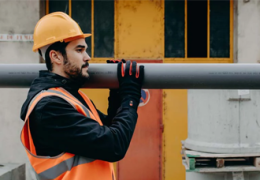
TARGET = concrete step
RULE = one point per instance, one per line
(12, 171)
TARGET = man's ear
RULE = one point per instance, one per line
(56, 57)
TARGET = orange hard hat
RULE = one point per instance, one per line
(54, 27)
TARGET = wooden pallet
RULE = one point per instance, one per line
(209, 162)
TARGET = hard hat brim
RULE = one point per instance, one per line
(76, 37)
(66, 40)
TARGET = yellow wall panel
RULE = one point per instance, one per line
(175, 117)
(99, 97)
(139, 29)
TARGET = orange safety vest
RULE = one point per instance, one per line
(65, 166)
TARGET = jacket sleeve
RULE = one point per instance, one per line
(113, 105)
(106, 119)
(56, 124)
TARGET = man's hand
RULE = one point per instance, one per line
(114, 99)
(115, 61)
(114, 92)
(130, 80)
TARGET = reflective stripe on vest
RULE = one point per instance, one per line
(65, 166)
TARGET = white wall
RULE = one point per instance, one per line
(230, 115)
(248, 29)
(16, 17)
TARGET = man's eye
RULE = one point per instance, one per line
(79, 50)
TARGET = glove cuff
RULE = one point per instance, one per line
(129, 102)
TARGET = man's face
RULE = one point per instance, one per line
(76, 60)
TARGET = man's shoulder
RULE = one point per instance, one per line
(53, 101)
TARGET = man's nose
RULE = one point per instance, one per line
(86, 57)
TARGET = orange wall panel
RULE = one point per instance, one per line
(143, 159)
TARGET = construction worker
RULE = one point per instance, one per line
(64, 135)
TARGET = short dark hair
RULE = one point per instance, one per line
(58, 46)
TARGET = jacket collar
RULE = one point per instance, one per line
(69, 84)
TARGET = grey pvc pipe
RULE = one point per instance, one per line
(157, 76)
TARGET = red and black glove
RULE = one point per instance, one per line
(115, 61)
(114, 91)
(114, 100)
(130, 79)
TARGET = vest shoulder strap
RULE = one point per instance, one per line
(77, 105)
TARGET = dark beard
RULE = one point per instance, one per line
(73, 71)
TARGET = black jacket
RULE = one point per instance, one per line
(57, 127)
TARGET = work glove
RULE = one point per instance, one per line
(130, 80)
(114, 98)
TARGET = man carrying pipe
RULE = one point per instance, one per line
(64, 135)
